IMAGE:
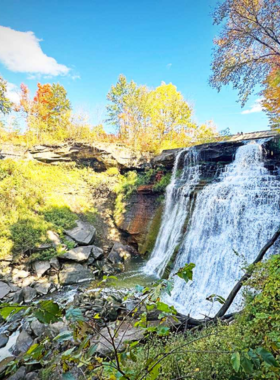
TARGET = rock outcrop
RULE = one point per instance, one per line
(100, 156)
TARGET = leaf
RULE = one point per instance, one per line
(48, 312)
(246, 364)
(64, 335)
(6, 311)
(235, 361)
(161, 306)
(186, 273)
(163, 331)
(216, 298)
(74, 315)
(67, 352)
(68, 376)
(267, 356)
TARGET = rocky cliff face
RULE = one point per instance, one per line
(99, 156)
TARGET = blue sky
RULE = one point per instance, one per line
(85, 45)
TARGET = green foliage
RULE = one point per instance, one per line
(186, 273)
(5, 103)
(61, 218)
(33, 200)
(161, 185)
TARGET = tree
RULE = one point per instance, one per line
(248, 45)
(271, 94)
(5, 103)
(49, 110)
(152, 119)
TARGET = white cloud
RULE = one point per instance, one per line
(13, 93)
(256, 107)
(169, 65)
(21, 52)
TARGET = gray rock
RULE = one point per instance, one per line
(3, 340)
(4, 363)
(41, 267)
(37, 327)
(42, 288)
(4, 289)
(29, 294)
(97, 253)
(19, 375)
(78, 254)
(55, 263)
(83, 233)
(119, 253)
(18, 296)
(54, 238)
(56, 328)
(74, 273)
(32, 376)
(23, 343)
(107, 269)
(127, 333)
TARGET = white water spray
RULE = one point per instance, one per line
(237, 214)
(175, 212)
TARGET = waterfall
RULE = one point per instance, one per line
(175, 212)
(232, 219)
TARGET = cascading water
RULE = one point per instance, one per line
(236, 214)
(175, 212)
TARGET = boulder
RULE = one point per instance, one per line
(37, 327)
(4, 289)
(3, 340)
(54, 238)
(56, 328)
(32, 376)
(19, 274)
(42, 288)
(74, 273)
(23, 342)
(97, 253)
(19, 374)
(83, 233)
(55, 263)
(119, 253)
(77, 254)
(126, 333)
(41, 267)
(29, 294)
(18, 296)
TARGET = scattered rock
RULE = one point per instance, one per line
(41, 267)
(4, 289)
(55, 263)
(74, 273)
(18, 274)
(127, 333)
(108, 269)
(42, 288)
(4, 364)
(119, 253)
(29, 294)
(28, 281)
(18, 296)
(83, 233)
(19, 375)
(56, 328)
(23, 343)
(3, 340)
(54, 238)
(32, 376)
(97, 253)
(78, 254)
(37, 327)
